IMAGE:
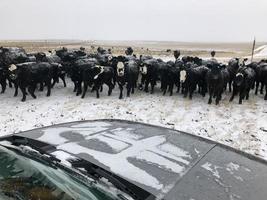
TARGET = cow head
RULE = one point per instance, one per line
(215, 71)
(120, 69)
(110, 58)
(176, 54)
(129, 51)
(183, 75)
(239, 78)
(13, 72)
(143, 69)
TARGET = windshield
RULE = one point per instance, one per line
(24, 179)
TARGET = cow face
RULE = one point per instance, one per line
(120, 69)
(239, 79)
(110, 58)
(98, 70)
(13, 71)
(215, 71)
(143, 69)
(183, 75)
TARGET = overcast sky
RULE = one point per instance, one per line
(170, 20)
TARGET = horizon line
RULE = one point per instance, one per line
(124, 41)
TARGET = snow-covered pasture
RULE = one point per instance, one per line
(241, 126)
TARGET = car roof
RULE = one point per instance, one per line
(166, 163)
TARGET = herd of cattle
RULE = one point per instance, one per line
(188, 74)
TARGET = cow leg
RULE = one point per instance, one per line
(121, 89)
(53, 83)
(31, 90)
(9, 83)
(257, 87)
(204, 90)
(79, 88)
(178, 87)
(23, 90)
(16, 89)
(75, 87)
(97, 91)
(233, 95)
(164, 91)
(62, 77)
(241, 96)
(265, 98)
(190, 93)
(171, 89)
(3, 84)
(85, 87)
(211, 94)
(41, 87)
(262, 85)
(129, 86)
(247, 94)
(110, 87)
(218, 96)
(101, 88)
(146, 85)
(153, 83)
(185, 91)
(230, 86)
(48, 83)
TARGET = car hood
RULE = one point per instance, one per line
(163, 162)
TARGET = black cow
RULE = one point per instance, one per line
(232, 68)
(244, 81)
(150, 73)
(193, 76)
(127, 73)
(261, 78)
(59, 70)
(169, 76)
(216, 80)
(129, 51)
(8, 56)
(3, 78)
(28, 75)
(95, 76)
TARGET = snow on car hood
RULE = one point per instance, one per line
(150, 157)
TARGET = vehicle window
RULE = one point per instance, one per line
(24, 179)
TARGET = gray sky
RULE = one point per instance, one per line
(170, 20)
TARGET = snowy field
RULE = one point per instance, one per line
(241, 126)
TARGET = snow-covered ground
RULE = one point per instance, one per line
(261, 51)
(241, 126)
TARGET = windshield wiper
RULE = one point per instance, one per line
(96, 172)
(93, 171)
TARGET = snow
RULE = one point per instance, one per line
(261, 51)
(243, 127)
(64, 157)
(212, 168)
(118, 163)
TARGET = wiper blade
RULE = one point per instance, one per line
(41, 147)
(96, 172)
(93, 171)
